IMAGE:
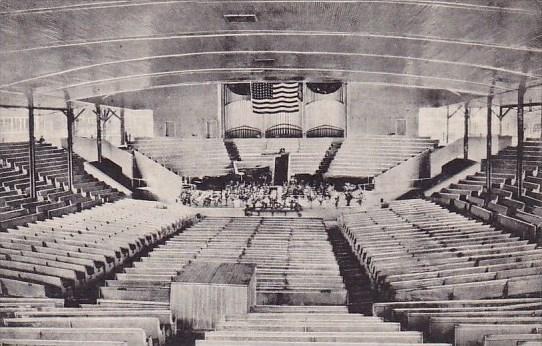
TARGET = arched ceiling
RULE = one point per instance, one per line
(95, 49)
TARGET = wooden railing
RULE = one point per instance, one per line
(284, 131)
(243, 132)
(325, 131)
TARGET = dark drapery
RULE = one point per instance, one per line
(324, 88)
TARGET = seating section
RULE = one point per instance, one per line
(62, 257)
(199, 158)
(187, 157)
(417, 250)
(35, 321)
(295, 261)
(369, 156)
(423, 256)
(308, 158)
(252, 152)
(307, 325)
(492, 322)
(504, 206)
(306, 154)
(54, 197)
(16, 208)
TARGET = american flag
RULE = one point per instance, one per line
(273, 98)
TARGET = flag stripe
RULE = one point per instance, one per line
(276, 107)
(284, 101)
(293, 88)
(283, 94)
(275, 111)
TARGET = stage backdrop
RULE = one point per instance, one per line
(290, 109)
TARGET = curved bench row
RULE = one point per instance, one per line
(187, 157)
(416, 250)
(35, 321)
(441, 268)
(504, 206)
(54, 198)
(308, 325)
(490, 322)
(61, 257)
(295, 261)
(369, 156)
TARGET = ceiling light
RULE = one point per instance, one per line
(267, 61)
(240, 18)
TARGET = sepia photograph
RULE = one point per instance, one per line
(270, 172)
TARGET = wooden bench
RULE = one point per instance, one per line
(497, 208)
(417, 262)
(338, 337)
(386, 310)
(27, 342)
(164, 316)
(474, 334)
(309, 281)
(131, 336)
(443, 328)
(517, 227)
(148, 324)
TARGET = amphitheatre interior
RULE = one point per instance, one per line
(271, 173)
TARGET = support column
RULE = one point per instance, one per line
(105, 130)
(447, 124)
(500, 121)
(98, 112)
(122, 127)
(519, 152)
(31, 146)
(489, 147)
(302, 109)
(345, 102)
(220, 111)
(466, 133)
(69, 124)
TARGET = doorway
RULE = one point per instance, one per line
(211, 129)
(400, 127)
(170, 129)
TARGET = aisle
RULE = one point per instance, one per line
(358, 285)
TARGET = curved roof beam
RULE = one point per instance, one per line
(277, 33)
(119, 4)
(483, 21)
(256, 53)
(110, 86)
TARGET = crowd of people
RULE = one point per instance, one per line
(294, 195)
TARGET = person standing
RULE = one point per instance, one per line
(360, 197)
(348, 197)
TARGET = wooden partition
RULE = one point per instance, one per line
(205, 292)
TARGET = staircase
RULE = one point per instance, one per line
(330, 155)
(233, 152)
(356, 280)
